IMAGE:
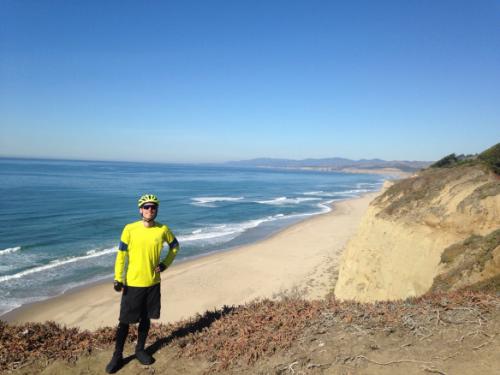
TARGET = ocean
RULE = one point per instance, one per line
(60, 221)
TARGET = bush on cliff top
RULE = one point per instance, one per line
(447, 161)
(491, 157)
(455, 160)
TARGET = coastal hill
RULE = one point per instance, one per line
(438, 229)
(334, 164)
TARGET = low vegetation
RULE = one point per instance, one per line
(235, 338)
(489, 158)
(453, 160)
(466, 263)
(414, 197)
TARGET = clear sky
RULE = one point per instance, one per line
(191, 81)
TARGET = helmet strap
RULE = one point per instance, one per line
(149, 222)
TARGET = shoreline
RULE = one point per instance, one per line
(7, 315)
(301, 258)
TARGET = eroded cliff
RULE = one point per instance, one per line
(397, 250)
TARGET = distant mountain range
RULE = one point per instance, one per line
(331, 164)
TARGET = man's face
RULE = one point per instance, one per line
(149, 211)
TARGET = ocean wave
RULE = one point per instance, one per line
(57, 263)
(325, 207)
(351, 193)
(10, 250)
(320, 192)
(9, 304)
(284, 200)
(226, 232)
(208, 200)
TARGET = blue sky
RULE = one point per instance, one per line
(192, 81)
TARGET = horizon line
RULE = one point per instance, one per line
(52, 158)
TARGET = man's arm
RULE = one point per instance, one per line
(121, 256)
(174, 247)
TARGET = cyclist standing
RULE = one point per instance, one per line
(140, 244)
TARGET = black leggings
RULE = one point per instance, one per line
(142, 334)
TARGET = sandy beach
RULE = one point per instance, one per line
(303, 258)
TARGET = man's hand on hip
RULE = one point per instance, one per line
(160, 268)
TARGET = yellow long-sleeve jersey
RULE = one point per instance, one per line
(141, 247)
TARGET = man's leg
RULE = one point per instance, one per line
(142, 335)
(117, 360)
(150, 309)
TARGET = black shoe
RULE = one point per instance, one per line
(143, 357)
(115, 364)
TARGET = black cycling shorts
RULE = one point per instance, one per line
(139, 302)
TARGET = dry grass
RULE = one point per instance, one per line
(414, 196)
(251, 332)
(239, 336)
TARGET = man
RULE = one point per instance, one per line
(141, 244)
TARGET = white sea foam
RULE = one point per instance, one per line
(57, 263)
(205, 200)
(219, 232)
(352, 192)
(226, 232)
(284, 200)
(10, 304)
(327, 206)
(10, 250)
(97, 252)
(320, 193)
(280, 200)
(211, 201)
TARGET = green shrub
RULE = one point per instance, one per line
(447, 161)
(491, 157)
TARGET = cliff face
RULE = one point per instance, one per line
(397, 250)
(473, 264)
